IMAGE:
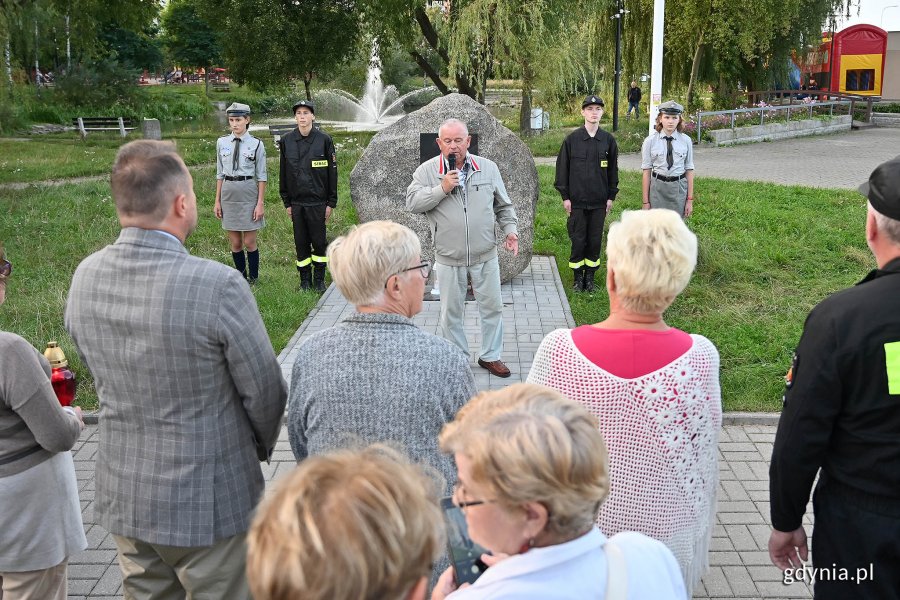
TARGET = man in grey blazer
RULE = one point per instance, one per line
(191, 395)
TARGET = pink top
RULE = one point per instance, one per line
(630, 353)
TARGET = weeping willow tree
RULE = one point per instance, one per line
(716, 42)
(496, 35)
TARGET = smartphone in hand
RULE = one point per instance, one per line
(464, 553)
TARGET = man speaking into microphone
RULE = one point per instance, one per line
(461, 205)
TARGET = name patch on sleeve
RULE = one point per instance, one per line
(320, 163)
(892, 366)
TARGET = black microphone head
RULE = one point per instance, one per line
(451, 160)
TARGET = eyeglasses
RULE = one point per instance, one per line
(424, 269)
(5, 268)
(464, 504)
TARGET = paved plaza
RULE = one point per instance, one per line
(841, 160)
(534, 304)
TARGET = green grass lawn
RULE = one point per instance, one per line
(768, 253)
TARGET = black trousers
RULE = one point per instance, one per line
(309, 234)
(861, 534)
(585, 227)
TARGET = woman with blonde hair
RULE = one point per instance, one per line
(532, 476)
(351, 525)
(653, 388)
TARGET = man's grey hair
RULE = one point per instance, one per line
(453, 122)
(886, 225)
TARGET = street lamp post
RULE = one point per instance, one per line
(881, 21)
(620, 12)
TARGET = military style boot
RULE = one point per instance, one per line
(319, 277)
(577, 276)
(589, 279)
(305, 278)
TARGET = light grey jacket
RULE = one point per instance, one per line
(462, 222)
(377, 378)
(188, 386)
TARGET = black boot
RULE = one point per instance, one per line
(253, 266)
(319, 277)
(589, 279)
(305, 278)
(240, 262)
(578, 275)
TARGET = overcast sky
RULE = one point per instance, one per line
(871, 11)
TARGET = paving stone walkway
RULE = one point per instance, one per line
(842, 160)
(534, 304)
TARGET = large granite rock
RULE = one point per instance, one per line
(378, 182)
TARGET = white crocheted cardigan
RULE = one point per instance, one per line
(662, 432)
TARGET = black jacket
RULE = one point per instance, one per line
(308, 169)
(634, 94)
(842, 402)
(587, 169)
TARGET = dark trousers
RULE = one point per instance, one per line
(585, 227)
(861, 534)
(309, 234)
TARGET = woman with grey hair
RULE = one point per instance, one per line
(375, 376)
(653, 388)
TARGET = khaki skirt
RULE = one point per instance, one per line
(238, 201)
(668, 194)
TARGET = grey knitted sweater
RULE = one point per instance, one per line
(377, 378)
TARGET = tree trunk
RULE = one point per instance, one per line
(68, 46)
(525, 109)
(430, 72)
(307, 80)
(431, 36)
(205, 80)
(695, 68)
(6, 57)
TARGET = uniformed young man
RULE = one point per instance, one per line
(308, 186)
(841, 419)
(587, 177)
(667, 160)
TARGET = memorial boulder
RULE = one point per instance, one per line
(379, 180)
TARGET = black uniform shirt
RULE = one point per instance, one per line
(587, 169)
(842, 409)
(308, 169)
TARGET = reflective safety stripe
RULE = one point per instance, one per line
(577, 265)
(592, 263)
(319, 259)
(304, 263)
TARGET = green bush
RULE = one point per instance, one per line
(101, 85)
(12, 117)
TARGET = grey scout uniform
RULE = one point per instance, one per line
(241, 174)
(666, 192)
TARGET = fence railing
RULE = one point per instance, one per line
(772, 111)
(796, 97)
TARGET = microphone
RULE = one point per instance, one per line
(451, 160)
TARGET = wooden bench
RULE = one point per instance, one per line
(120, 124)
(217, 86)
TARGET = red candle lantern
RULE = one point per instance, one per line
(61, 376)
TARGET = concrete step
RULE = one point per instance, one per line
(861, 124)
